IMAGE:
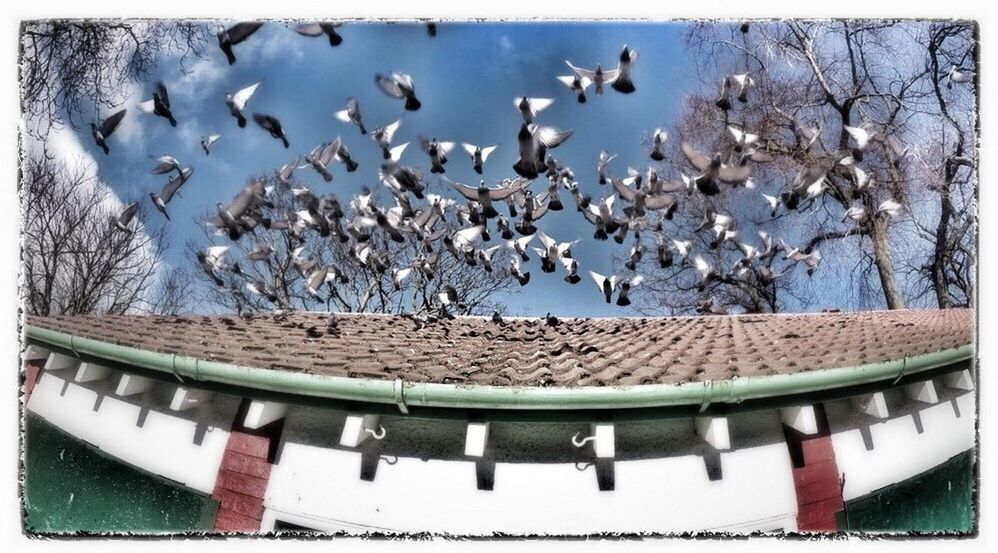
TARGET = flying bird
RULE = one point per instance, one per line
(438, 153)
(321, 156)
(169, 189)
(399, 85)
(712, 169)
(212, 261)
(159, 104)
(597, 76)
(207, 141)
(605, 284)
(319, 29)
(623, 82)
(530, 107)
(166, 164)
(658, 139)
(576, 84)
(383, 136)
(352, 115)
(124, 218)
(485, 195)
(235, 34)
(237, 102)
(107, 127)
(957, 75)
(534, 141)
(478, 155)
(272, 125)
(623, 298)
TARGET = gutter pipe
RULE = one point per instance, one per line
(465, 396)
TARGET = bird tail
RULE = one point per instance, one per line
(241, 120)
(582, 97)
(525, 169)
(107, 151)
(623, 85)
(489, 212)
(623, 301)
(285, 141)
(723, 103)
(524, 279)
(657, 155)
(173, 121)
(351, 166)
(600, 234)
(573, 279)
(412, 103)
(229, 55)
(362, 129)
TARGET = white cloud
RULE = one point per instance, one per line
(281, 46)
(199, 82)
(506, 43)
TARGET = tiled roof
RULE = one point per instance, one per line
(576, 352)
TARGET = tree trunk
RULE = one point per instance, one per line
(939, 281)
(885, 268)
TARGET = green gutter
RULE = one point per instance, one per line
(464, 396)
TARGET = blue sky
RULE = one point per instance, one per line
(466, 77)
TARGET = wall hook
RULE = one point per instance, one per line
(375, 434)
(580, 443)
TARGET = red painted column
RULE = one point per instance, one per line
(244, 473)
(242, 482)
(32, 369)
(816, 477)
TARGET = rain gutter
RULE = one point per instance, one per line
(468, 396)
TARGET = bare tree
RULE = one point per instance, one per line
(367, 290)
(175, 292)
(71, 68)
(824, 76)
(74, 260)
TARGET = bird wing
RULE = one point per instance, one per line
(444, 148)
(695, 158)
(173, 185)
(343, 115)
(111, 123)
(309, 29)
(404, 79)
(568, 80)
(663, 201)
(241, 31)
(242, 96)
(546, 240)
(733, 173)
(148, 106)
(537, 105)
(391, 129)
(860, 135)
(395, 153)
(581, 72)
(468, 192)
(389, 86)
(550, 137)
(128, 212)
(164, 96)
(623, 190)
(329, 152)
(467, 235)
(471, 149)
(487, 151)
(212, 138)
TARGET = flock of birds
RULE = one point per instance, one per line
(462, 228)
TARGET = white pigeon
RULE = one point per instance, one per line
(207, 141)
(478, 154)
(530, 107)
(577, 84)
(890, 207)
(237, 102)
(856, 213)
(605, 284)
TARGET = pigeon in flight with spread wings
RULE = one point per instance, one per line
(237, 102)
(319, 29)
(576, 84)
(124, 218)
(399, 85)
(352, 115)
(233, 35)
(598, 76)
(169, 189)
(107, 127)
(321, 156)
(530, 107)
(623, 82)
(207, 141)
(534, 141)
(485, 195)
(159, 104)
(383, 136)
(713, 170)
(478, 154)
(437, 151)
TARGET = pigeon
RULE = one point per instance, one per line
(485, 257)
(383, 136)
(438, 153)
(637, 251)
(861, 178)
(623, 83)
(124, 218)
(605, 284)
(641, 201)
(552, 251)
(597, 76)
(233, 218)
(272, 125)
(169, 189)
(604, 161)
(431, 29)
(517, 272)
(774, 204)
(723, 101)
(534, 141)
(235, 34)
(160, 104)
(571, 270)
(889, 208)
(321, 156)
(237, 102)
(658, 138)
(166, 164)
(260, 252)
(449, 296)
(577, 84)
(707, 273)
(861, 136)
(856, 213)
(663, 252)
(712, 169)
(343, 156)
(744, 82)
(399, 275)
(319, 29)
(485, 195)
(623, 298)
(207, 141)
(957, 75)
(530, 107)
(742, 138)
(462, 240)
(259, 288)
(520, 246)
(399, 85)
(352, 115)
(284, 174)
(478, 155)
(106, 129)
(212, 261)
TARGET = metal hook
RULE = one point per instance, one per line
(374, 434)
(579, 443)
